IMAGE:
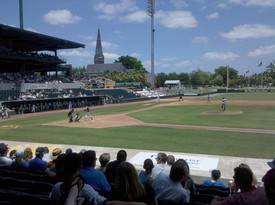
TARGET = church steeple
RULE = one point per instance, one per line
(99, 57)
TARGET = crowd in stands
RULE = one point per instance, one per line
(79, 181)
(30, 78)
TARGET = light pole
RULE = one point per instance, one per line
(151, 13)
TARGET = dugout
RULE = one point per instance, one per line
(25, 106)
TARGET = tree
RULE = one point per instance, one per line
(218, 80)
(200, 78)
(271, 69)
(222, 70)
(160, 79)
(80, 71)
(131, 63)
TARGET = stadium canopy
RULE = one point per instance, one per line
(26, 51)
(20, 39)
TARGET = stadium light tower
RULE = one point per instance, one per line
(151, 13)
(21, 14)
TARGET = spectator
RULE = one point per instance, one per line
(129, 188)
(28, 155)
(19, 163)
(74, 190)
(4, 160)
(12, 154)
(94, 178)
(188, 183)
(214, 181)
(104, 159)
(111, 168)
(38, 164)
(160, 166)
(170, 160)
(146, 176)
(53, 156)
(255, 181)
(59, 167)
(69, 151)
(249, 194)
(269, 184)
(169, 188)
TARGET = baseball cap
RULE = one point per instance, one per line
(39, 150)
(3, 147)
(19, 153)
(272, 163)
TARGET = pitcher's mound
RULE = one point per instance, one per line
(220, 112)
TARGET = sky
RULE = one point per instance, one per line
(189, 34)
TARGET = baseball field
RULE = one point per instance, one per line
(245, 129)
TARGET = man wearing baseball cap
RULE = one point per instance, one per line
(4, 160)
(38, 163)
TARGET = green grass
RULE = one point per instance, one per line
(153, 138)
(252, 117)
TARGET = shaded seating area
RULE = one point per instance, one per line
(25, 187)
(205, 194)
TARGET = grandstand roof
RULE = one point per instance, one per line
(20, 39)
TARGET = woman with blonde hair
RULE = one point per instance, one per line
(28, 154)
(129, 188)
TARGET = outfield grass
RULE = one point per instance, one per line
(152, 138)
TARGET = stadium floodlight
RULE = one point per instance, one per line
(151, 13)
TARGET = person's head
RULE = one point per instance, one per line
(27, 154)
(39, 152)
(59, 166)
(148, 165)
(170, 160)
(269, 184)
(121, 155)
(128, 183)
(104, 159)
(69, 151)
(161, 158)
(19, 153)
(255, 181)
(179, 171)
(12, 152)
(46, 150)
(4, 149)
(55, 153)
(215, 174)
(72, 164)
(89, 158)
(243, 178)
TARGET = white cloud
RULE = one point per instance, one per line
(56, 17)
(249, 31)
(183, 64)
(176, 19)
(74, 53)
(261, 3)
(111, 56)
(136, 55)
(137, 16)
(178, 4)
(229, 56)
(214, 15)
(116, 8)
(262, 50)
(200, 39)
(168, 59)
